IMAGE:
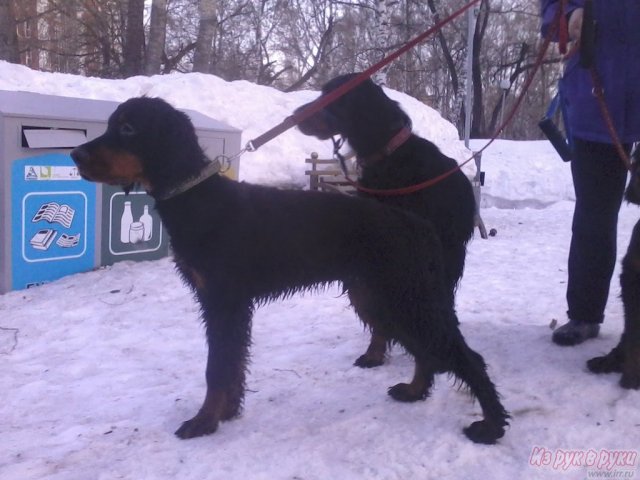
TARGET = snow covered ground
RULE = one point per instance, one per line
(99, 368)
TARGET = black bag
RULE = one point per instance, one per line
(553, 133)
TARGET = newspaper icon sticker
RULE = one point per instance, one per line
(53, 220)
(53, 212)
(68, 241)
(53, 225)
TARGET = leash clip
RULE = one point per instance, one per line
(224, 161)
(249, 147)
(337, 144)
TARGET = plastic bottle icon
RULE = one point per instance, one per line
(147, 221)
(125, 222)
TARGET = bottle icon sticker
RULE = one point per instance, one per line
(147, 222)
(125, 222)
(135, 231)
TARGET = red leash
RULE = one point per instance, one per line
(587, 60)
(598, 91)
(296, 118)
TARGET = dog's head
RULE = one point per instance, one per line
(147, 142)
(364, 115)
(632, 194)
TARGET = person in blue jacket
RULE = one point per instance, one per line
(599, 174)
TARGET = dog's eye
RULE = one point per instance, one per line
(126, 130)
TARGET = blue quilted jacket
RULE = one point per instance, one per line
(618, 64)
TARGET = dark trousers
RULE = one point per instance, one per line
(599, 178)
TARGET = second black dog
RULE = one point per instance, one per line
(239, 245)
(390, 156)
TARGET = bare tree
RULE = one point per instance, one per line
(478, 129)
(134, 38)
(452, 68)
(157, 35)
(203, 55)
(8, 36)
(382, 37)
(311, 43)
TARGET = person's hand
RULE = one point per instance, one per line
(575, 24)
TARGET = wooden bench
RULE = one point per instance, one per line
(326, 175)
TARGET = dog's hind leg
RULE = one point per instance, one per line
(454, 257)
(228, 338)
(376, 352)
(364, 304)
(420, 385)
(469, 366)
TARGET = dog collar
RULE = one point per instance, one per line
(396, 141)
(211, 169)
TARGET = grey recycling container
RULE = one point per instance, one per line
(52, 222)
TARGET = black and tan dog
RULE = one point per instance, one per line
(625, 357)
(390, 156)
(239, 245)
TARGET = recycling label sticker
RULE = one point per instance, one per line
(53, 220)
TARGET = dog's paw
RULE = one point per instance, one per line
(368, 361)
(405, 392)
(610, 363)
(484, 432)
(197, 427)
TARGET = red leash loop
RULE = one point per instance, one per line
(325, 100)
(410, 189)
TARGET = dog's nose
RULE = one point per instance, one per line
(79, 155)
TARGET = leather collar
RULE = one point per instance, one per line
(396, 141)
(211, 169)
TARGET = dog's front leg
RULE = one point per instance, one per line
(228, 337)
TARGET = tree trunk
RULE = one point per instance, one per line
(203, 54)
(157, 34)
(134, 38)
(478, 125)
(8, 35)
(382, 38)
(458, 93)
